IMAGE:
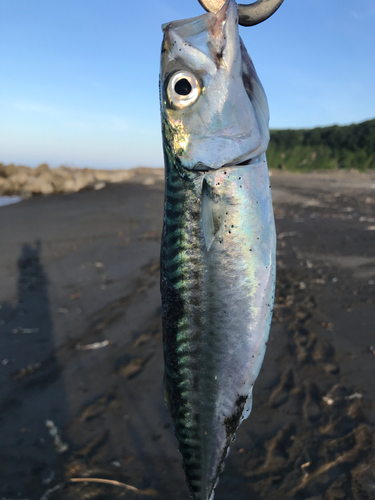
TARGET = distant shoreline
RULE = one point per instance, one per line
(26, 181)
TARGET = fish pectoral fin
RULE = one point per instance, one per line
(209, 216)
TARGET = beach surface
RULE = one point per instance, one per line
(81, 361)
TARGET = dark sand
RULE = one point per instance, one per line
(84, 268)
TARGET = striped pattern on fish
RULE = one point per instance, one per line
(217, 306)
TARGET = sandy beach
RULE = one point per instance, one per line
(81, 360)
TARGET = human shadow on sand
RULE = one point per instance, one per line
(31, 392)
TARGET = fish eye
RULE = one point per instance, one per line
(183, 89)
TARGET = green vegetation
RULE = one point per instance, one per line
(351, 146)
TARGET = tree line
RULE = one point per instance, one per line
(335, 147)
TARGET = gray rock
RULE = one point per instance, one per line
(26, 181)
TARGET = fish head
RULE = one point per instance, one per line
(213, 106)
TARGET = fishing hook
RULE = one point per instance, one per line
(249, 14)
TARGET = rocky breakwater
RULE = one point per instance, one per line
(43, 180)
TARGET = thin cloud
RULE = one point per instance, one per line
(35, 107)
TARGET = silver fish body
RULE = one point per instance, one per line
(218, 245)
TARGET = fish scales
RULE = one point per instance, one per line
(218, 243)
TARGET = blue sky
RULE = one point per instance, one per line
(79, 78)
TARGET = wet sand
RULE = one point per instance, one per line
(82, 270)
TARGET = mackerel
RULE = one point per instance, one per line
(218, 242)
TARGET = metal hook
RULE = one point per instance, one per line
(249, 15)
